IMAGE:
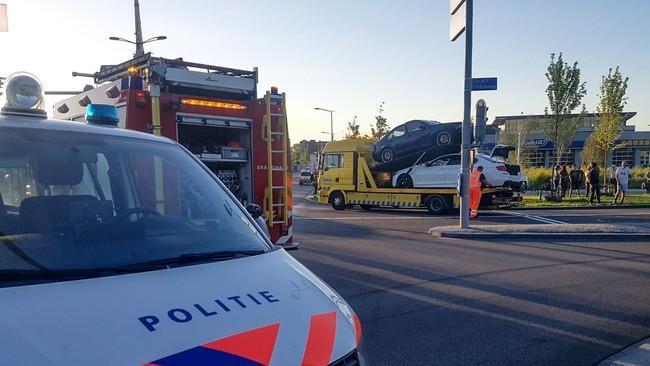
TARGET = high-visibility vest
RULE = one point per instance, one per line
(475, 180)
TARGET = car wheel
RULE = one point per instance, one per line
(444, 138)
(338, 201)
(404, 181)
(437, 205)
(387, 155)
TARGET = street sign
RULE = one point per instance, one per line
(457, 21)
(484, 83)
(3, 18)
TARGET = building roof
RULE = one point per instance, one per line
(501, 120)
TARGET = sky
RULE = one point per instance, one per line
(348, 55)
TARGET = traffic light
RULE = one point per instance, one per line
(481, 120)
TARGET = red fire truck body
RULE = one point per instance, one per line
(215, 113)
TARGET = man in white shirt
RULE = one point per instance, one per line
(622, 179)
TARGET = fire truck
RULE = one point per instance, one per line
(215, 113)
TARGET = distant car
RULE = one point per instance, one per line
(443, 172)
(415, 137)
(305, 177)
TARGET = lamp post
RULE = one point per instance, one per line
(139, 49)
(331, 112)
(139, 43)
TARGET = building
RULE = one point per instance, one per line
(537, 151)
(310, 151)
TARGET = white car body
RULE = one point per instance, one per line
(305, 177)
(261, 309)
(442, 172)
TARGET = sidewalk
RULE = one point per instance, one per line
(571, 232)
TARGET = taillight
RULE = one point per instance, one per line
(140, 99)
(502, 168)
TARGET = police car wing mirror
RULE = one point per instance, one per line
(254, 210)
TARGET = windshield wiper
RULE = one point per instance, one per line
(192, 258)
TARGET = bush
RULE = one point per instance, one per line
(638, 176)
(538, 177)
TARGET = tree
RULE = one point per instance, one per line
(353, 129)
(298, 155)
(518, 138)
(610, 107)
(381, 127)
(565, 93)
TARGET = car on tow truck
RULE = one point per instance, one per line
(122, 248)
(443, 172)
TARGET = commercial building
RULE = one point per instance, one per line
(536, 150)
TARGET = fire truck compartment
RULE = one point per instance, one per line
(224, 146)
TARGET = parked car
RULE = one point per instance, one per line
(305, 177)
(442, 172)
(415, 137)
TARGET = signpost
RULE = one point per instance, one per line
(462, 10)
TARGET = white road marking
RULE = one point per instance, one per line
(542, 219)
(365, 218)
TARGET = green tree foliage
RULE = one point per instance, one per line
(610, 107)
(565, 93)
(380, 127)
(592, 153)
(298, 155)
(353, 129)
(517, 138)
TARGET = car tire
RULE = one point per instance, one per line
(436, 205)
(299, 183)
(338, 201)
(387, 155)
(404, 181)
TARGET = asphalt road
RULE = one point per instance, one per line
(434, 301)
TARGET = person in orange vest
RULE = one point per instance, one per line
(476, 185)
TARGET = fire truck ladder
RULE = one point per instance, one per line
(276, 212)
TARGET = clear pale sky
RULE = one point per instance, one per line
(348, 55)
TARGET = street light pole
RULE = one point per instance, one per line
(139, 45)
(331, 112)
(467, 122)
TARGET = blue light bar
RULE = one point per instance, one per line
(102, 114)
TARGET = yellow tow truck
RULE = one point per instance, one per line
(347, 178)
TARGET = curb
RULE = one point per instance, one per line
(628, 237)
(604, 207)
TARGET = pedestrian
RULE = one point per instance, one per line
(576, 176)
(314, 181)
(622, 176)
(477, 182)
(564, 180)
(611, 184)
(555, 179)
(588, 180)
(594, 178)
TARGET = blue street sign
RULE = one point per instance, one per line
(484, 83)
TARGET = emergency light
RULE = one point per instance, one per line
(212, 104)
(102, 114)
(23, 95)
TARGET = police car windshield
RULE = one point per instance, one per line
(78, 201)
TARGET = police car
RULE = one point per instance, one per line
(121, 248)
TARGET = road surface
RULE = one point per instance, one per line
(434, 301)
